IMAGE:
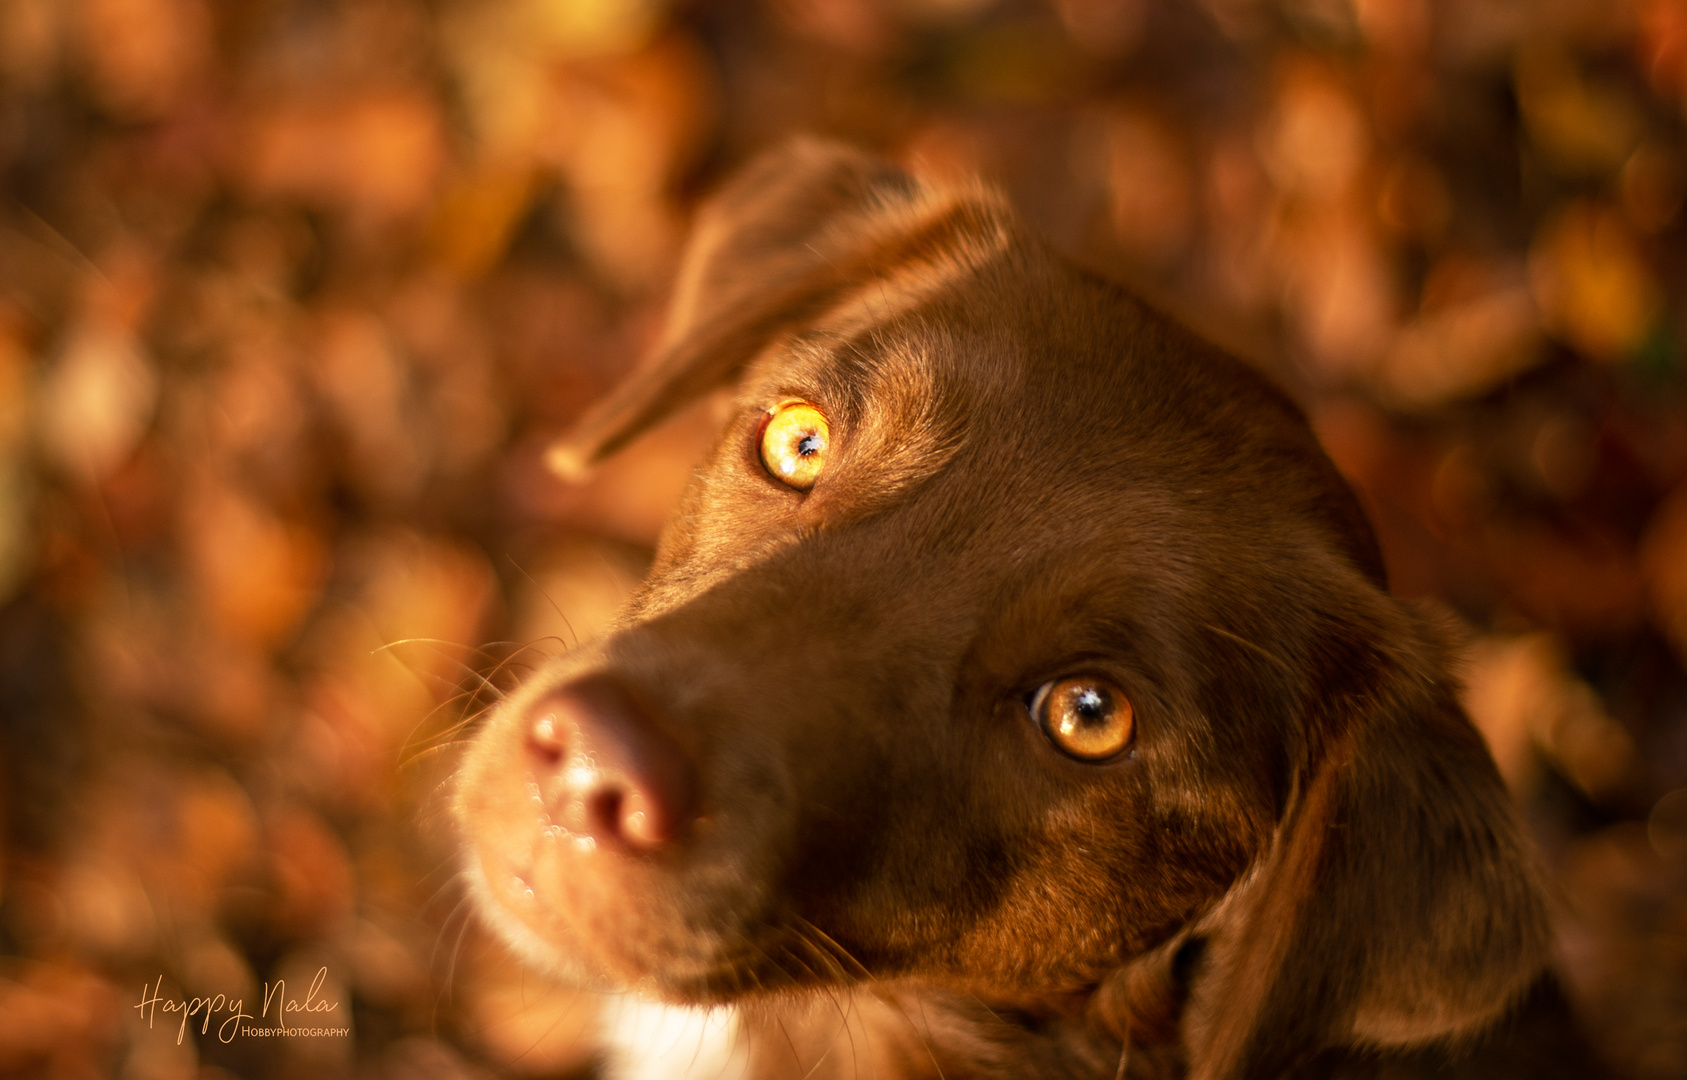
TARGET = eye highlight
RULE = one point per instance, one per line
(794, 437)
(1085, 717)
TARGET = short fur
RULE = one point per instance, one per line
(1306, 866)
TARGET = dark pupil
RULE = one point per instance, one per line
(1090, 705)
(809, 444)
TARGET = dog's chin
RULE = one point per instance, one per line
(535, 948)
(615, 941)
(568, 939)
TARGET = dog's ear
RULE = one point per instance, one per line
(794, 233)
(1398, 904)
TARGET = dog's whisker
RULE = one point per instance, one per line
(456, 728)
(846, 960)
(924, 1032)
(789, 943)
(410, 739)
(424, 753)
(921, 1031)
(549, 600)
(1124, 1052)
(452, 879)
(462, 914)
(1286, 667)
(510, 661)
(842, 1008)
(430, 745)
(791, 1044)
(416, 748)
(439, 645)
(467, 697)
(539, 1037)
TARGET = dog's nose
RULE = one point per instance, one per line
(608, 771)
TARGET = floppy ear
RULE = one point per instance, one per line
(1398, 903)
(789, 237)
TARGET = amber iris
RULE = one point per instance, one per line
(794, 437)
(1085, 717)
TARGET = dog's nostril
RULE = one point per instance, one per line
(622, 814)
(544, 739)
(603, 811)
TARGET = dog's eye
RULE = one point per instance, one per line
(794, 435)
(1086, 717)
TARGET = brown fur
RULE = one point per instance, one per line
(1307, 865)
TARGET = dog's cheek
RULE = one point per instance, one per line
(1076, 905)
(933, 841)
(865, 842)
(1096, 871)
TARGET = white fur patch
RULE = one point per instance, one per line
(650, 1041)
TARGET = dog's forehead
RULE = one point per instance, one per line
(1038, 358)
(1033, 388)
(942, 336)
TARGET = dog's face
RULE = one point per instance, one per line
(1009, 637)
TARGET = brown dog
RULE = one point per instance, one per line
(1016, 694)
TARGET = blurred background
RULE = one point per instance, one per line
(294, 292)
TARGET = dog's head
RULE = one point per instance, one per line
(1010, 641)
